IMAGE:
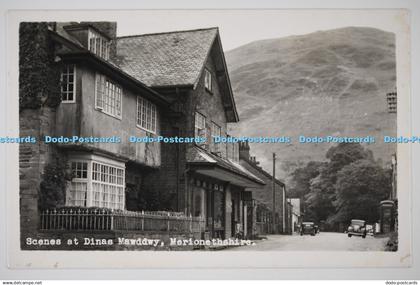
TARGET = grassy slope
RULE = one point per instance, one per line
(325, 83)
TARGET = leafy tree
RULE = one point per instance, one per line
(322, 201)
(360, 187)
(301, 178)
(319, 201)
(346, 153)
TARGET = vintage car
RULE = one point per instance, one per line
(308, 228)
(357, 228)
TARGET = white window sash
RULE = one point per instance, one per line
(90, 194)
(74, 86)
(98, 44)
(146, 115)
(208, 80)
(108, 96)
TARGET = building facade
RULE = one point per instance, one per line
(266, 197)
(111, 90)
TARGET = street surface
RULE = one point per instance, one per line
(320, 242)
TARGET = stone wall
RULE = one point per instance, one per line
(32, 160)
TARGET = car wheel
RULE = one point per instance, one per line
(349, 235)
(363, 236)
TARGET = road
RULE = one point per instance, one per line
(320, 242)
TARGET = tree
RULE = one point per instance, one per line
(360, 187)
(321, 199)
(301, 178)
(346, 153)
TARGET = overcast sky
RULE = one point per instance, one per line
(239, 27)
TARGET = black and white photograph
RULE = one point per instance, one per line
(214, 132)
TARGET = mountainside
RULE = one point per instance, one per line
(324, 83)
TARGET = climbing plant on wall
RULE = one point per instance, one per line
(39, 76)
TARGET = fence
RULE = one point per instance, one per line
(109, 220)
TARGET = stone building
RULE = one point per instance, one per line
(263, 197)
(188, 68)
(111, 89)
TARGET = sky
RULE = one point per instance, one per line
(239, 27)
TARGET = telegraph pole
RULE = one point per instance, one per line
(274, 192)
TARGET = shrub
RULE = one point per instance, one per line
(53, 185)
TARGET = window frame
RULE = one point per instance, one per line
(89, 180)
(74, 84)
(214, 126)
(103, 48)
(140, 115)
(208, 80)
(198, 114)
(105, 83)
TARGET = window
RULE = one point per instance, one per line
(108, 96)
(207, 80)
(98, 184)
(146, 115)
(107, 186)
(200, 125)
(98, 44)
(79, 184)
(68, 83)
(216, 131)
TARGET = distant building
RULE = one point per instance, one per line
(263, 197)
(296, 215)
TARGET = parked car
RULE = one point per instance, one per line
(357, 228)
(308, 228)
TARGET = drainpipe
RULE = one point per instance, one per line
(186, 194)
(284, 209)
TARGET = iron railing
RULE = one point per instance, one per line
(109, 220)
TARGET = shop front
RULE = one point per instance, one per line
(217, 192)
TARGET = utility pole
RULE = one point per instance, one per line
(274, 192)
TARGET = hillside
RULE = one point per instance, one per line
(324, 83)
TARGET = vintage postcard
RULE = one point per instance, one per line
(222, 138)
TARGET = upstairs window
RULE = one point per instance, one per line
(208, 80)
(108, 96)
(200, 125)
(68, 83)
(146, 115)
(216, 131)
(98, 44)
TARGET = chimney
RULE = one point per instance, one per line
(244, 150)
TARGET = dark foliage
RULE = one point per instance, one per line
(39, 76)
(53, 185)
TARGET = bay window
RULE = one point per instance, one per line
(97, 182)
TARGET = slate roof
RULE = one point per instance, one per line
(261, 170)
(196, 154)
(166, 59)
